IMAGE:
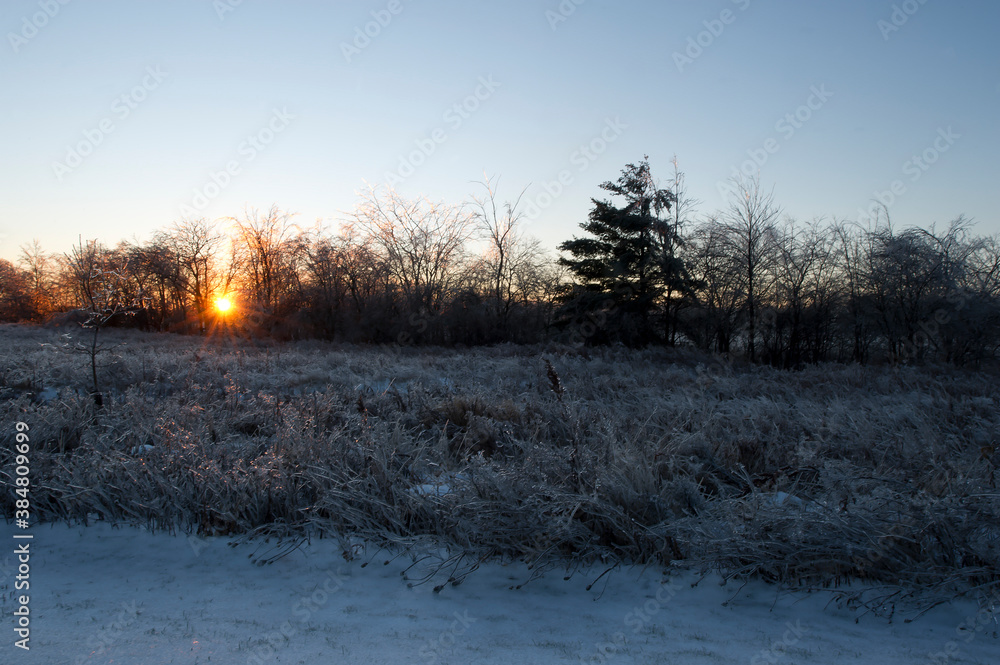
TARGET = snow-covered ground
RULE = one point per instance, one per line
(124, 596)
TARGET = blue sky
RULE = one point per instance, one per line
(163, 95)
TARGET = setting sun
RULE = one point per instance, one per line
(223, 305)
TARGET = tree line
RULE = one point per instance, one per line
(646, 270)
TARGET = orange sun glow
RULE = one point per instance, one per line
(223, 305)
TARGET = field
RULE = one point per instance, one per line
(486, 478)
(548, 455)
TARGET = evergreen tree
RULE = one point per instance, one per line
(620, 269)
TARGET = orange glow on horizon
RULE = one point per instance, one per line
(223, 305)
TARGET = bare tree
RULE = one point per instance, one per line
(421, 242)
(713, 325)
(512, 261)
(751, 237)
(160, 273)
(270, 246)
(852, 248)
(803, 295)
(983, 268)
(195, 245)
(16, 301)
(975, 308)
(38, 266)
(325, 281)
(951, 307)
(678, 285)
(903, 269)
(104, 294)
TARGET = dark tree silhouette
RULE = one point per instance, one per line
(620, 269)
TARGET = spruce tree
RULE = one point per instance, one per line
(619, 269)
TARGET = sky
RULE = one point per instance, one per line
(123, 117)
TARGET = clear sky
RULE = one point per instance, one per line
(116, 114)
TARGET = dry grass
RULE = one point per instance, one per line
(628, 457)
